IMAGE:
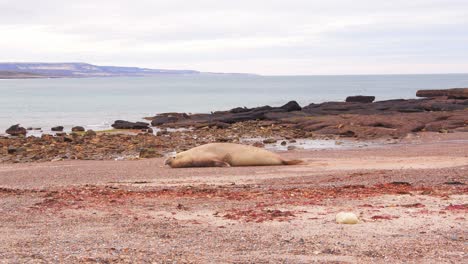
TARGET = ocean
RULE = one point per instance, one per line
(96, 102)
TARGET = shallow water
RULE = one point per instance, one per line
(313, 144)
(97, 102)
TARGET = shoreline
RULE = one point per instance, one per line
(287, 127)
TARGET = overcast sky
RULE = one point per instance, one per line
(284, 37)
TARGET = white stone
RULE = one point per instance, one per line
(346, 218)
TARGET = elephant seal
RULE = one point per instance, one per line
(226, 155)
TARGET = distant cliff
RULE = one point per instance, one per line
(51, 70)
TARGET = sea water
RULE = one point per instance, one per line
(97, 102)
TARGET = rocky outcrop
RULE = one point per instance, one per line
(16, 130)
(111, 146)
(57, 129)
(121, 124)
(223, 119)
(455, 93)
(390, 118)
(386, 107)
(360, 99)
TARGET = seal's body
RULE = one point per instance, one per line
(226, 155)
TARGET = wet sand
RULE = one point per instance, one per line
(410, 197)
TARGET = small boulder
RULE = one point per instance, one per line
(269, 141)
(360, 99)
(78, 129)
(57, 129)
(347, 218)
(16, 130)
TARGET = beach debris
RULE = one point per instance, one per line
(259, 216)
(415, 205)
(346, 218)
(181, 207)
(57, 129)
(454, 207)
(258, 144)
(78, 129)
(16, 130)
(454, 183)
(401, 183)
(384, 217)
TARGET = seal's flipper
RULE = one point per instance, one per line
(221, 164)
(210, 163)
(292, 162)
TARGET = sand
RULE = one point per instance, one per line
(410, 197)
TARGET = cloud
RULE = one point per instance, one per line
(267, 37)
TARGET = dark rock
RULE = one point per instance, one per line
(161, 120)
(57, 128)
(16, 130)
(291, 106)
(121, 124)
(360, 99)
(455, 93)
(78, 129)
(262, 108)
(269, 141)
(150, 130)
(239, 110)
(234, 118)
(165, 118)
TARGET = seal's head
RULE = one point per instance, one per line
(170, 160)
(178, 160)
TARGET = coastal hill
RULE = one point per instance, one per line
(18, 75)
(51, 70)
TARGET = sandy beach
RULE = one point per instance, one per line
(410, 198)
